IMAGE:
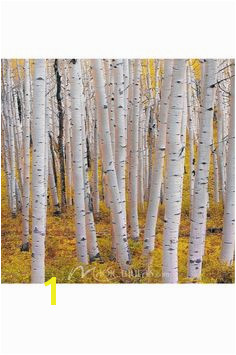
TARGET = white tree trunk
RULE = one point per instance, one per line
(93, 250)
(133, 171)
(109, 167)
(199, 211)
(191, 135)
(157, 172)
(120, 152)
(227, 252)
(67, 137)
(95, 171)
(26, 147)
(38, 185)
(216, 173)
(174, 174)
(77, 154)
(12, 143)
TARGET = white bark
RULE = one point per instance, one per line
(109, 168)
(26, 147)
(95, 171)
(93, 250)
(38, 185)
(12, 143)
(77, 157)
(67, 138)
(221, 138)
(227, 252)
(191, 136)
(216, 173)
(133, 171)
(120, 151)
(199, 211)
(174, 174)
(157, 172)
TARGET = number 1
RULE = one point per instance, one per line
(52, 282)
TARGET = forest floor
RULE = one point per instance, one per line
(61, 260)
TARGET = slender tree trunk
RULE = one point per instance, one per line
(120, 156)
(157, 172)
(174, 174)
(26, 142)
(38, 185)
(216, 173)
(93, 250)
(95, 172)
(77, 157)
(191, 136)
(12, 143)
(60, 137)
(227, 251)
(52, 183)
(109, 167)
(134, 153)
(67, 137)
(199, 211)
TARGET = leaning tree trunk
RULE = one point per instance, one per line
(26, 147)
(52, 182)
(38, 186)
(77, 154)
(174, 173)
(227, 252)
(199, 210)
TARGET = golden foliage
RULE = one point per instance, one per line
(61, 260)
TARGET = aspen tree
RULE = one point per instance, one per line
(77, 158)
(140, 158)
(119, 125)
(174, 173)
(38, 185)
(199, 210)
(95, 170)
(26, 143)
(134, 152)
(191, 134)
(220, 139)
(52, 183)
(227, 251)
(109, 167)
(93, 250)
(17, 131)
(67, 135)
(6, 131)
(60, 136)
(120, 152)
(216, 172)
(12, 142)
(157, 172)
(129, 130)
(47, 118)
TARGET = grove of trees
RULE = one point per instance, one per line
(137, 136)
